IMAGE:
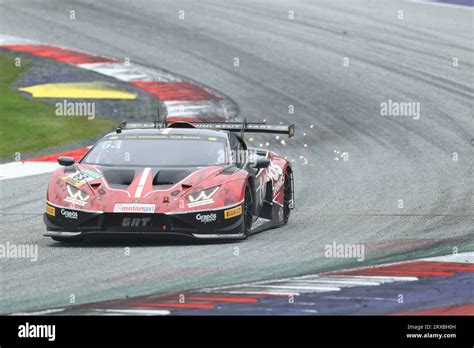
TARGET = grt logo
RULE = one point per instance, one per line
(205, 218)
(135, 222)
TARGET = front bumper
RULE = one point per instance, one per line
(208, 224)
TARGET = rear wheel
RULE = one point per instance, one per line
(287, 197)
(248, 211)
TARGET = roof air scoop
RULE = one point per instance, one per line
(181, 125)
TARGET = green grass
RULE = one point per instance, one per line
(28, 125)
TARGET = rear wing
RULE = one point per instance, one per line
(242, 127)
(247, 127)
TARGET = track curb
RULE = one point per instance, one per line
(404, 288)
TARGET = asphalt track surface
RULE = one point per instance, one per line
(282, 62)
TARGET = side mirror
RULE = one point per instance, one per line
(66, 161)
(261, 162)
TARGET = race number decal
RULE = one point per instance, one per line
(78, 179)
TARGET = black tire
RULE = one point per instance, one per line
(287, 197)
(248, 211)
(67, 240)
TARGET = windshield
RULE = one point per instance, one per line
(158, 150)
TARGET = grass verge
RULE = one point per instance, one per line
(29, 125)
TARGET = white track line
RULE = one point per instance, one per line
(261, 292)
(298, 287)
(316, 283)
(11, 40)
(134, 72)
(46, 311)
(134, 311)
(463, 258)
(345, 283)
(382, 279)
(21, 169)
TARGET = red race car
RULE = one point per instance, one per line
(183, 180)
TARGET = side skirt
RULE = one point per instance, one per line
(262, 224)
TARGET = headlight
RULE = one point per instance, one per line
(202, 197)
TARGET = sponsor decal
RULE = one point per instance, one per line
(278, 184)
(69, 214)
(133, 208)
(202, 195)
(78, 179)
(197, 204)
(163, 136)
(76, 196)
(261, 189)
(135, 222)
(112, 144)
(274, 171)
(230, 213)
(74, 201)
(205, 218)
(50, 210)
